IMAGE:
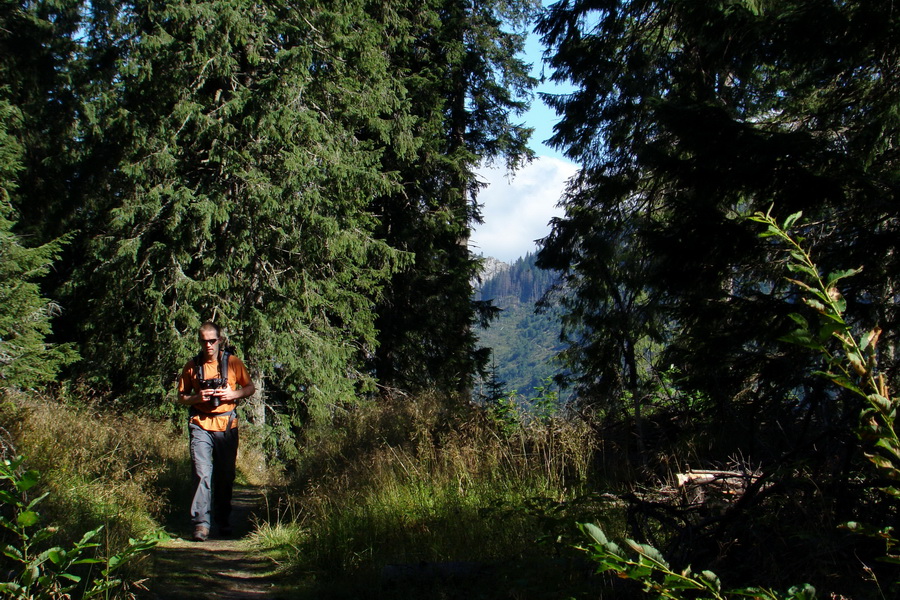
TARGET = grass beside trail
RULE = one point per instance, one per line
(436, 499)
(182, 569)
(410, 498)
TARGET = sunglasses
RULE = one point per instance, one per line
(209, 342)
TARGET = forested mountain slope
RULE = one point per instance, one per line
(523, 342)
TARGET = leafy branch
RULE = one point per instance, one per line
(856, 369)
(648, 566)
(50, 573)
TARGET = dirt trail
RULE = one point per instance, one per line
(218, 568)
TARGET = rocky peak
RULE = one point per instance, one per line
(491, 267)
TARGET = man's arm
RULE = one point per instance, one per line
(228, 395)
(191, 399)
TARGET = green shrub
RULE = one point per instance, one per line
(39, 570)
(646, 565)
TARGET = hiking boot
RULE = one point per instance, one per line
(201, 533)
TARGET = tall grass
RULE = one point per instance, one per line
(99, 467)
(429, 479)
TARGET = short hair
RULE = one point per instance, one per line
(210, 325)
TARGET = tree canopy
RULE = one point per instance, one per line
(301, 173)
(686, 118)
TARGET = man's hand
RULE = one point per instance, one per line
(217, 396)
(208, 394)
(226, 394)
(198, 398)
(229, 395)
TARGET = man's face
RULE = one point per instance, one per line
(209, 343)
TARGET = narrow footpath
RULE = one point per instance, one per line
(225, 569)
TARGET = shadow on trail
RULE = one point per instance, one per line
(184, 571)
(228, 569)
(222, 568)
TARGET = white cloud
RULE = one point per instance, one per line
(517, 211)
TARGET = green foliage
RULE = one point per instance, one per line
(519, 282)
(545, 403)
(685, 116)
(854, 366)
(41, 572)
(38, 53)
(645, 564)
(523, 345)
(506, 413)
(513, 412)
(26, 358)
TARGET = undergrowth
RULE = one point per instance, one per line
(117, 473)
(35, 570)
(432, 480)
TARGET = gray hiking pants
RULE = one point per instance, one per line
(213, 455)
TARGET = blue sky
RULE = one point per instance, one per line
(540, 116)
(517, 208)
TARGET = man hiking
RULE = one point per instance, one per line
(210, 385)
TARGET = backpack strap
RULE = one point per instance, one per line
(198, 366)
(223, 365)
(198, 373)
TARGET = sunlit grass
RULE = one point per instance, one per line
(280, 541)
(412, 523)
(409, 484)
(100, 468)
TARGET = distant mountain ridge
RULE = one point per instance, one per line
(521, 281)
(523, 343)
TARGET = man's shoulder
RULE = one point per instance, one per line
(237, 367)
(234, 359)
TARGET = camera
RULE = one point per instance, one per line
(213, 384)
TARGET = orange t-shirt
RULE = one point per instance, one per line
(207, 417)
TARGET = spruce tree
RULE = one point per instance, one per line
(242, 146)
(37, 110)
(687, 116)
(38, 56)
(466, 83)
(26, 357)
